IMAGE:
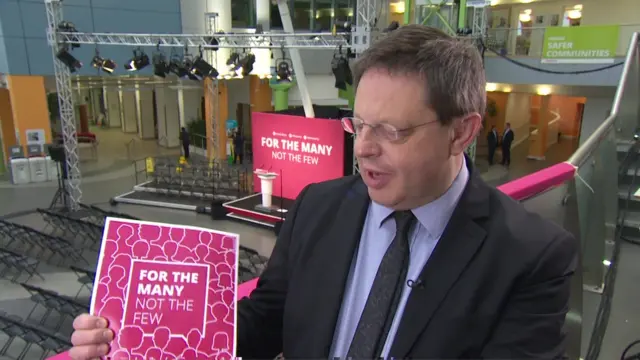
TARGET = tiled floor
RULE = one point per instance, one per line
(110, 180)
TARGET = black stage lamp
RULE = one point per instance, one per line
(72, 63)
(283, 72)
(106, 65)
(177, 67)
(342, 72)
(138, 61)
(247, 64)
(202, 69)
(160, 66)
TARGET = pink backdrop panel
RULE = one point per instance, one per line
(300, 150)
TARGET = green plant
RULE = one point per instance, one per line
(492, 108)
(197, 129)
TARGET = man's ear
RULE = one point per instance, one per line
(465, 129)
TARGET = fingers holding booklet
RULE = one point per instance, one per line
(90, 338)
(161, 291)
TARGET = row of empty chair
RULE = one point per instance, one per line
(67, 243)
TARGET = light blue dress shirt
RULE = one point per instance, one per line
(377, 234)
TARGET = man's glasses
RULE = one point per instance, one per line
(385, 131)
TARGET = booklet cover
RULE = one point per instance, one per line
(168, 291)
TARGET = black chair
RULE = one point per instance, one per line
(53, 302)
(14, 265)
(31, 334)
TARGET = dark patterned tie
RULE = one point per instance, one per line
(373, 328)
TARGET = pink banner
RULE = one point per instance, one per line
(300, 150)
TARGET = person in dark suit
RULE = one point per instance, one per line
(185, 140)
(507, 140)
(238, 146)
(415, 257)
(492, 143)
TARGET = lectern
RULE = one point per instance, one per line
(266, 186)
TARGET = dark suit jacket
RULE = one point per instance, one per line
(492, 139)
(495, 287)
(507, 139)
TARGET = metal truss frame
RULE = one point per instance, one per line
(65, 102)
(308, 41)
(62, 40)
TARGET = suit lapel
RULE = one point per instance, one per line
(460, 241)
(330, 265)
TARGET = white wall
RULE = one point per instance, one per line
(321, 89)
(112, 101)
(518, 113)
(239, 91)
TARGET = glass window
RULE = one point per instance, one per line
(243, 13)
(301, 14)
(324, 15)
(344, 11)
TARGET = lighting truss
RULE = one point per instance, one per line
(58, 40)
(310, 41)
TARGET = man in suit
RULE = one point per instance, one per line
(507, 140)
(184, 138)
(416, 257)
(492, 143)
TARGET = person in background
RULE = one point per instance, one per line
(184, 138)
(492, 143)
(507, 140)
(238, 146)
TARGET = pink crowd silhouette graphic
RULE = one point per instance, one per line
(168, 291)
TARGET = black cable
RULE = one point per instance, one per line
(578, 72)
(632, 357)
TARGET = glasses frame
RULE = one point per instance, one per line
(390, 133)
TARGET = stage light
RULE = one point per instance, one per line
(233, 62)
(247, 64)
(177, 67)
(69, 27)
(160, 66)
(106, 65)
(72, 63)
(138, 61)
(341, 71)
(202, 69)
(283, 72)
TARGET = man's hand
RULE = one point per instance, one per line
(90, 337)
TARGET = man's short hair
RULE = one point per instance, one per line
(452, 69)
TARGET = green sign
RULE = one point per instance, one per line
(580, 44)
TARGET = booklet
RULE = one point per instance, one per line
(168, 291)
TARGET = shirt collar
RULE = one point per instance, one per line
(435, 215)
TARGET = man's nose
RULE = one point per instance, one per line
(366, 144)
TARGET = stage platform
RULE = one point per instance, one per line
(244, 209)
(164, 200)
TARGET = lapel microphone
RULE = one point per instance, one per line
(415, 284)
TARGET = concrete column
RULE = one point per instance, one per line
(129, 111)
(223, 23)
(280, 94)
(180, 94)
(146, 121)
(168, 117)
(112, 102)
(192, 103)
(263, 14)
(538, 142)
(96, 107)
